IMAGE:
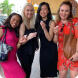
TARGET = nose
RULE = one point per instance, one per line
(15, 21)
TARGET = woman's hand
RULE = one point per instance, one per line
(56, 30)
(23, 40)
(31, 35)
(43, 25)
(74, 57)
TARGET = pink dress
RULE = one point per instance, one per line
(11, 67)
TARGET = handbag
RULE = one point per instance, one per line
(69, 45)
(4, 48)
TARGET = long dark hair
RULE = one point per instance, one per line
(38, 17)
(68, 3)
(8, 25)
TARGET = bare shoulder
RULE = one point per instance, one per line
(22, 25)
(22, 30)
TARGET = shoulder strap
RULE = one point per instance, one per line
(4, 38)
(4, 33)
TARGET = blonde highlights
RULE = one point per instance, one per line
(32, 20)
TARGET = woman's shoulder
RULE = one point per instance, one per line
(22, 25)
(75, 21)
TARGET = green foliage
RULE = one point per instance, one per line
(6, 7)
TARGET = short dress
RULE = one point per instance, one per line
(64, 63)
(48, 54)
(26, 52)
(11, 67)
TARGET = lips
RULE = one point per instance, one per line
(14, 25)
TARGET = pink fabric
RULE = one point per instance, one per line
(11, 67)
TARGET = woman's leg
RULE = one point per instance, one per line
(73, 73)
(1, 72)
(63, 74)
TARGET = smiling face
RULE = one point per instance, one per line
(29, 11)
(44, 11)
(64, 12)
(15, 20)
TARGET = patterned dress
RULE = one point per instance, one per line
(64, 63)
(11, 67)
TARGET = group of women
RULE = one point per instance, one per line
(23, 34)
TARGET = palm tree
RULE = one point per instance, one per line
(6, 7)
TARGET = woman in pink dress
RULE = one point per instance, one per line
(11, 68)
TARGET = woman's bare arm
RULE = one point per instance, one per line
(48, 35)
(55, 39)
(21, 34)
(21, 30)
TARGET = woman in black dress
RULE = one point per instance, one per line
(48, 49)
(27, 39)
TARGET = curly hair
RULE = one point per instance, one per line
(8, 25)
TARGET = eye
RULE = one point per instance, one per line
(67, 10)
(28, 10)
(61, 10)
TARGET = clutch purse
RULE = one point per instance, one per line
(4, 48)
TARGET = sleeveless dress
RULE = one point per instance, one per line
(26, 52)
(48, 54)
(63, 62)
(11, 67)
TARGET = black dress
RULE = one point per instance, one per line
(48, 54)
(26, 53)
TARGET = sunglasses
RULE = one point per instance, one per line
(62, 28)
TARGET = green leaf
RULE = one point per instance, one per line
(6, 7)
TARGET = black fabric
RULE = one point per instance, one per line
(48, 54)
(26, 53)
